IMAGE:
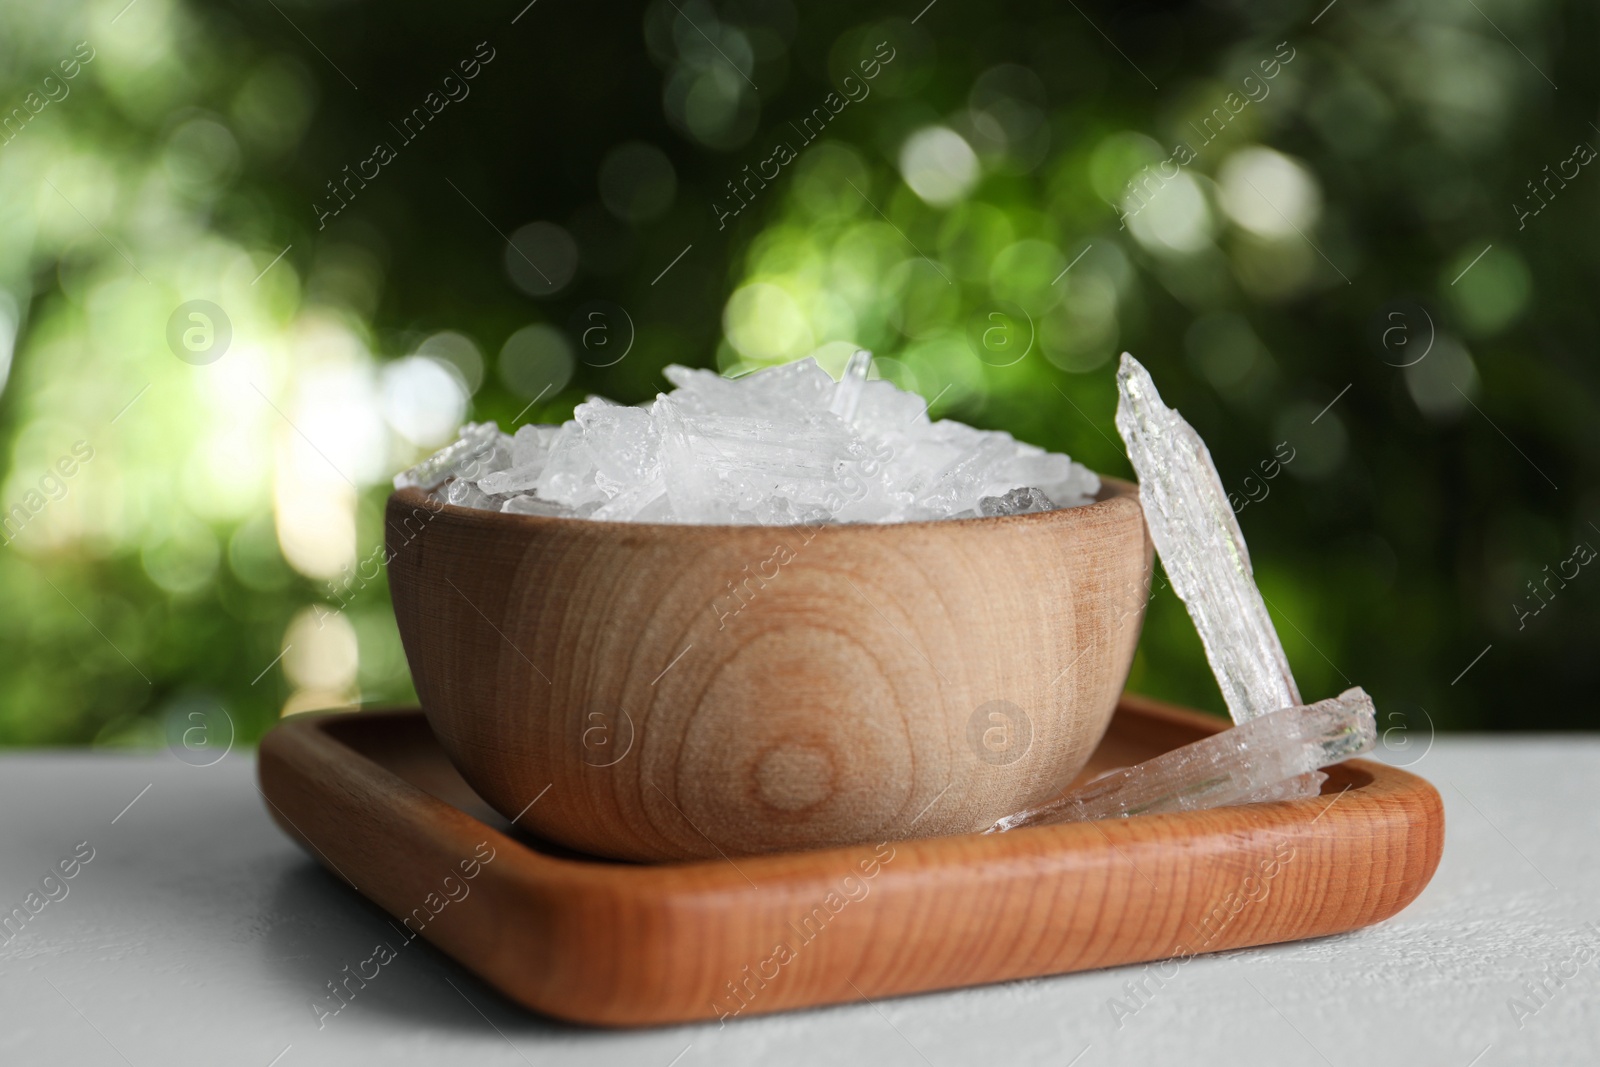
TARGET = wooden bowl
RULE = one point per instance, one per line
(654, 692)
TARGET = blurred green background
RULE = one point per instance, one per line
(1359, 234)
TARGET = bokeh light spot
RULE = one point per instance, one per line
(201, 157)
(424, 400)
(460, 352)
(1442, 383)
(541, 258)
(536, 362)
(321, 651)
(1490, 294)
(637, 182)
(823, 176)
(1268, 193)
(1174, 219)
(764, 323)
(939, 165)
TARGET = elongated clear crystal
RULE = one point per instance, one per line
(847, 393)
(1202, 548)
(1253, 761)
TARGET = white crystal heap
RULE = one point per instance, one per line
(1248, 762)
(780, 446)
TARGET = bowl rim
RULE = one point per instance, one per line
(1108, 499)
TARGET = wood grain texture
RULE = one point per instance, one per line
(696, 691)
(619, 944)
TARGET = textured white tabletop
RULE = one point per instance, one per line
(198, 934)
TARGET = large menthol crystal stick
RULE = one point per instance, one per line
(1202, 548)
(1230, 767)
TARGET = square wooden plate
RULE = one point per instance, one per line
(373, 797)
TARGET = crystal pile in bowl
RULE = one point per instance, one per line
(780, 446)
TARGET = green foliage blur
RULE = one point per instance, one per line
(1353, 242)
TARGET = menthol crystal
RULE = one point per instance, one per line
(1017, 502)
(477, 439)
(1257, 760)
(781, 446)
(1202, 549)
(1197, 535)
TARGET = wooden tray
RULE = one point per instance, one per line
(617, 944)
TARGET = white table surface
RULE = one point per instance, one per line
(200, 934)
